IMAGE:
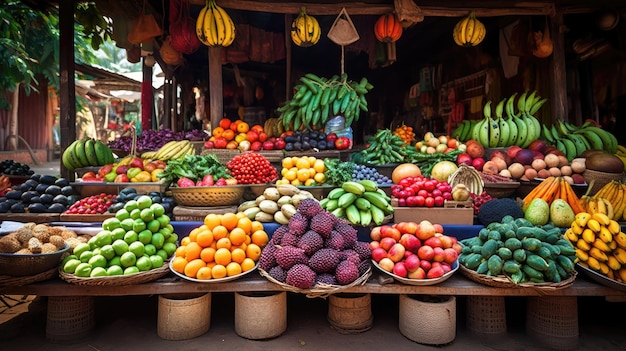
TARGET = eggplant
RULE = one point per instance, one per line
(61, 182)
(4, 207)
(67, 190)
(18, 207)
(13, 194)
(46, 199)
(56, 208)
(41, 188)
(61, 199)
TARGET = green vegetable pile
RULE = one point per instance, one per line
(194, 167)
(520, 251)
(384, 148)
(338, 171)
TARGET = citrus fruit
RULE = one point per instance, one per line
(157, 240)
(171, 238)
(115, 261)
(164, 220)
(130, 236)
(103, 238)
(219, 232)
(158, 210)
(80, 248)
(114, 270)
(165, 231)
(223, 243)
(139, 225)
(204, 273)
(135, 214)
(157, 261)
(260, 238)
(238, 255)
(212, 220)
(118, 233)
(127, 224)
(153, 226)
(131, 270)
(162, 253)
(192, 251)
(247, 264)
(111, 223)
(218, 271)
(229, 220)
(97, 261)
(237, 236)
(222, 256)
(145, 236)
(144, 201)
(233, 269)
(178, 264)
(205, 238)
(191, 269)
(143, 263)
(85, 256)
(130, 205)
(83, 270)
(98, 272)
(256, 225)
(107, 251)
(149, 250)
(253, 251)
(137, 248)
(70, 266)
(128, 259)
(122, 214)
(207, 254)
(147, 215)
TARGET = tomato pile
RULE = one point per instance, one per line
(95, 204)
(421, 192)
(251, 168)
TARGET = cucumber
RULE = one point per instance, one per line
(518, 277)
(566, 249)
(566, 263)
(523, 222)
(473, 260)
(483, 234)
(544, 252)
(483, 267)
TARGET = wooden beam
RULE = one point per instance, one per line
(215, 86)
(67, 87)
(558, 79)
(454, 9)
(288, 20)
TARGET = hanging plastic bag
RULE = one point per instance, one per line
(144, 28)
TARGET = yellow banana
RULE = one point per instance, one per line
(604, 268)
(592, 206)
(613, 263)
(220, 27)
(610, 273)
(605, 235)
(469, 30)
(576, 228)
(601, 208)
(620, 254)
(582, 255)
(613, 245)
(598, 254)
(463, 29)
(229, 26)
(583, 245)
(610, 211)
(588, 236)
(593, 263)
(602, 218)
(456, 34)
(620, 239)
(598, 243)
(622, 274)
(570, 235)
(200, 25)
(594, 225)
(581, 218)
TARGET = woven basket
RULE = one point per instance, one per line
(70, 317)
(429, 320)
(486, 315)
(600, 179)
(29, 265)
(502, 281)
(319, 290)
(209, 196)
(553, 321)
(197, 214)
(119, 280)
(7, 280)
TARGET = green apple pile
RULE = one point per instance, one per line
(139, 238)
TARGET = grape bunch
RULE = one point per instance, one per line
(479, 200)
(362, 172)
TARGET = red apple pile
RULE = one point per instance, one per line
(421, 191)
(414, 250)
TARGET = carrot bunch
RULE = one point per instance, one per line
(553, 188)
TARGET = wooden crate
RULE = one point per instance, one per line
(441, 215)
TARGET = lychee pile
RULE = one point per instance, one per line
(315, 248)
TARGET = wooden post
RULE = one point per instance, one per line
(147, 96)
(215, 86)
(288, 21)
(558, 93)
(67, 88)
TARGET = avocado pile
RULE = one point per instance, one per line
(39, 194)
(307, 140)
(10, 167)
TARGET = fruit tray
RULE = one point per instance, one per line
(320, 290)
(601, 279)
(210, 281)
(420, 282)
(85, 189)
(119, 280)
(502, 281)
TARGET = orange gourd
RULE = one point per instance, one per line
(387, 28)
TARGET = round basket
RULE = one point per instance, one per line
(29, 265)
(502, 281)
(118, 280)
(553, 321)
(209, 195)
(319, 290)
(600, 179)
(7, 280)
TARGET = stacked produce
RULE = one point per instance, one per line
(520, 251)
(573, 140)
(551, 189)
(276, 204)
(494, 210)
(196, 170)
(421, 192)
(157, 197)
(414, 250)
(152, 140)
(35, 239)
(10, 167)
(442, 144)
(86, 152)
(478, 200)
(172, 150)
(384, 148)
(251, 168)
(240, 135)
(39, 194)
(469, 31)
(361, 203)
(95, 204)
(139, 238)
(305, 170)
(338, 172)
(129, 169)
(226, 245)
(315, 249)
(600, 244)
(405, 133)
(610, 200)
(309, 139)
(317, 99)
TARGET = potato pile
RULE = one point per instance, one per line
(39, 239)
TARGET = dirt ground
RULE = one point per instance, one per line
(130, 323)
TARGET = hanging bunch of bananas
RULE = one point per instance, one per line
(318, 98)
(214, 26)
(305, 30)
(469, 31)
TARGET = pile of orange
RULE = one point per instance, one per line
(225, 245)
(405, 133)
(304, 170)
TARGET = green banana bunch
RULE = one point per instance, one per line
(573, 140)
(86, 152)
(384, 148)
(317, 99)
(360, 202)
